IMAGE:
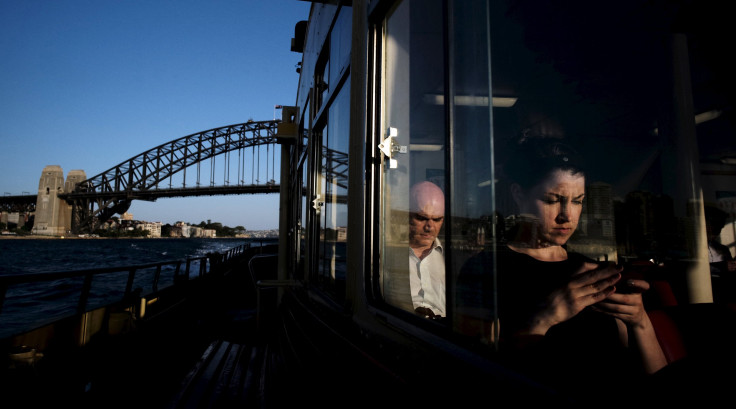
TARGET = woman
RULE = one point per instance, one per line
(563, 317)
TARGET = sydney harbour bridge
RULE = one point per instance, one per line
(233, 159)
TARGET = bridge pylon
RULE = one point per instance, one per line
(53, 216)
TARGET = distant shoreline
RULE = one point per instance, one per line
(34, 237)
(11, 237)
(15, 237)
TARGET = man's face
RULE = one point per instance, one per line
(424, 226)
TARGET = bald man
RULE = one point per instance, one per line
(426, 258)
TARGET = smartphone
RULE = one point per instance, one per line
(637, 270)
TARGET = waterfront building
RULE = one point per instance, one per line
(153, 227)
(195, 231)
(209, 233)
(14, 220)
(180, 229)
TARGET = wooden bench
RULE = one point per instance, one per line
(225, 376)
(228, 372)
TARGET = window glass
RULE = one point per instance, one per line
(642, 103)
(414, 137)
(629, 104)
(299, 191)
(322, 81)
(332, 187)
(619, 92)
(300, 226)
(473, 220)
(340, 44)
(419, 274)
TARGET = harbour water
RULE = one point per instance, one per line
(27, 306)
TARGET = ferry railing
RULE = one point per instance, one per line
(206, 265)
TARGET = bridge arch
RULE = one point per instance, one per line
(141, 177)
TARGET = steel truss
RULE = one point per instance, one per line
(98, 198)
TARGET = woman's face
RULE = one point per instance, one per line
(556, 203)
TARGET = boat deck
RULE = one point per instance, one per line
(181, 358)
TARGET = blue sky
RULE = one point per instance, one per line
(87, 84)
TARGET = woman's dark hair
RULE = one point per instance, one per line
(534, 159)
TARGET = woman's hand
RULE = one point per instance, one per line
(626, 303)
(635, 327)
(589, 285)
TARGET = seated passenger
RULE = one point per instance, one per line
(563, 317)
(722, 264)
(426, 260)
(719, 255)
(419, 285)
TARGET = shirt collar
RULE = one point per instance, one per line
(436, 245)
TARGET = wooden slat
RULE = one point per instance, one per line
(225, 375)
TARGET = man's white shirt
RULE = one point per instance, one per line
(427, 279)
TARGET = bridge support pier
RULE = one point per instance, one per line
(53, 214)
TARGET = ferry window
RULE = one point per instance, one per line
(322, 81)
(420, 146)
(300, 224)
(632, 96)
(642, 98)
(332, 190)
(340, 44)
(640, 101)
(303, 212)
(403, 108)
(299, 190)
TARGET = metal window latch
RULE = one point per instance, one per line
(316, 203)
(388, 146)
